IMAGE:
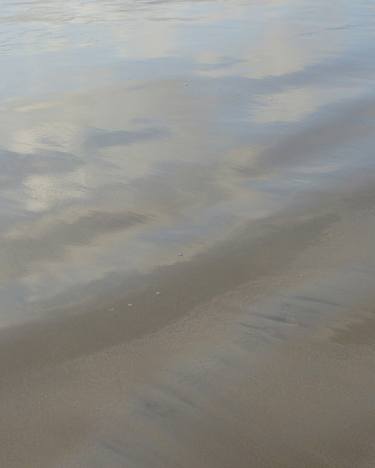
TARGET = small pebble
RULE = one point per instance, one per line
(157, 293)
(130, 305)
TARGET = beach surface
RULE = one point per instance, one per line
(187, 225)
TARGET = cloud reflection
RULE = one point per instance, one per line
(132, 131)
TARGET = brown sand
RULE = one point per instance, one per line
(274, 371)
(187, 223)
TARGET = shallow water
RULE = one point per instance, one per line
(187, 214)
(132, 131)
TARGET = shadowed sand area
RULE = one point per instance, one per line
(187, 220)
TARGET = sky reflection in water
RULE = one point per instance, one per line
(131, 131)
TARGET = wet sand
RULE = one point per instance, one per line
(186, 239)
(277, 371)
